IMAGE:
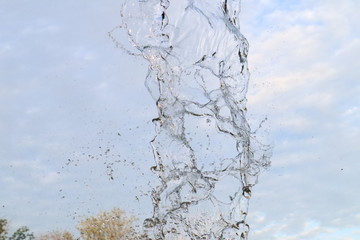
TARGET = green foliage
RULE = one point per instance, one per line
(22, 233)
(111, 225)
(3, 229)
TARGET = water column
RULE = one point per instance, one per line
(207, 158)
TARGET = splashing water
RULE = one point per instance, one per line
(207, 158)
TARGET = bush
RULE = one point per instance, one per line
(112, 225)
(57, 235)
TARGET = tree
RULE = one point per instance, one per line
(112, 225)
(22, 233)
(56, 235)
(3, 229)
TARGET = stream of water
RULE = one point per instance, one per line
(207, 158)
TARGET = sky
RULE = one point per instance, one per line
(75, 117)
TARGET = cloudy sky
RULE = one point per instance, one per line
(75, 117)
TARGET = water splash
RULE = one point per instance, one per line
(207, 158)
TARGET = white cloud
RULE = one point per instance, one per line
(40, 28)
(5, 47)
(307, 73)
(50, 178)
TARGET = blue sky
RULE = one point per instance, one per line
(73, 108)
